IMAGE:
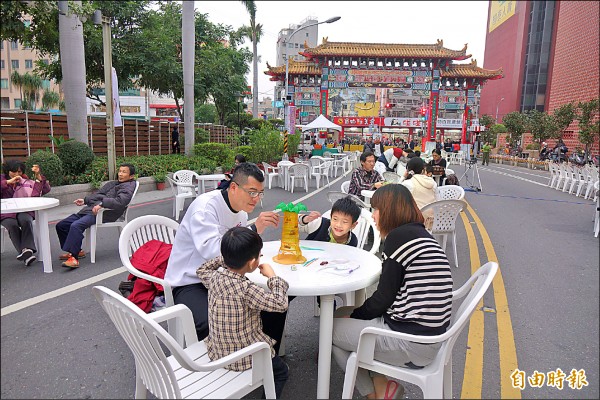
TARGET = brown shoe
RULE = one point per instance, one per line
(72, 262)
(66, 256)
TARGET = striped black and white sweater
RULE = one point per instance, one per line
(414, 293)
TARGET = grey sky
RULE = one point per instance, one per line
(409, 22)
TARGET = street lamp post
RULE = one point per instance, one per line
(498, 105)
(329, 21)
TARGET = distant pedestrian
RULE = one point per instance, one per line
(175, 141)
(485, 150)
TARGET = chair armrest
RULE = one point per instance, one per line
(100, 214)
(368, 336)
(254, 348)
(184, 319)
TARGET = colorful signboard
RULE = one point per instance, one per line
(417, 78)
(500, 11)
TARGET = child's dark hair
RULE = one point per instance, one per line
(13, 166)
(347, 206)
(240, 245)
(240, 158)
(429, 168)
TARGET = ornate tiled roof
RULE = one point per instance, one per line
(437, 50)
(294, 68)
(470, 70)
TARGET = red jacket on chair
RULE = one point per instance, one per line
(151, 259)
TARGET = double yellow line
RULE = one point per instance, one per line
(473, 372)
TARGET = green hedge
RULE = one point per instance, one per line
(75, 156)
(50, 166)
(220, 153)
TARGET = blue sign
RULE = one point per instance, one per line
(277, 104)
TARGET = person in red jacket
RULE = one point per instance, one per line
(14, 184)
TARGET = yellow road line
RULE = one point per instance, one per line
(506, 339)
(473, 373)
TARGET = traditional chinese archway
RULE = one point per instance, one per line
(380, 85)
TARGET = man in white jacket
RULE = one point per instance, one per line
(198, 240)
(388, 160)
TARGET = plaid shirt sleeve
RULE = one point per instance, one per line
(362, 181)
(263, 300)
(206, 270)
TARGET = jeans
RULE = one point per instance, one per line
(71, 232)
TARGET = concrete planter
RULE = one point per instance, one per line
(67, 194)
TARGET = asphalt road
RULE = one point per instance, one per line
(56, 341)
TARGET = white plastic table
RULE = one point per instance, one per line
(39, 205)
(367, 194)
(285, 168)
(309, 281)
(211, 178)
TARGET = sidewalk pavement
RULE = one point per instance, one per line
(58, 213)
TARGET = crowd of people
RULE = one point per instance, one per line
(214, 248)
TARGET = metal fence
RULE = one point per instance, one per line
(24, 132)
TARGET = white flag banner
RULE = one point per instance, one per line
(117, 121)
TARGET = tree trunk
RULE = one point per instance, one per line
(188, 38)
(254, 76)
(72, 61)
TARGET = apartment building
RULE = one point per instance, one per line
(16, 56)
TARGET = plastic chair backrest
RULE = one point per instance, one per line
(445, 214)
(449, 192)
(140, 231)
(345, 186)
(334, 195)
(361, 230)
(299, 170)
(185, 176)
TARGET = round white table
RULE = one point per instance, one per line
(39, 205)
(314, 280)
(284, 166)
(209, 177)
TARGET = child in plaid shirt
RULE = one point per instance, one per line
(235, 303)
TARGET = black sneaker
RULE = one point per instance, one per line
(25, 254)
(30, 261)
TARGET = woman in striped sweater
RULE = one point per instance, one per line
(414, 294)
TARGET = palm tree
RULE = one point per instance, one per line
(29, 87)
(49, 99)
(254, 32)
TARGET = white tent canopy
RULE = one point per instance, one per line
(321, 123)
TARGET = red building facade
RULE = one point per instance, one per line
(562, 67)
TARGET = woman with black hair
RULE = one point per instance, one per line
(414, 295)
(15, 183)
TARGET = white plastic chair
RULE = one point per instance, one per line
(271, 172)
(188, 372)
(298, 171)
(445, 214)
(140, 231)
(392, 177)
(334, 195)
(449, 192)
(345, 186)
(179, 196)
(321, 170)
(339, 162)
(435, 380)
(597, 214)
(91, 233)
(4, 232)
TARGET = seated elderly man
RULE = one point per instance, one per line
(365, 177)
(115, 195)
